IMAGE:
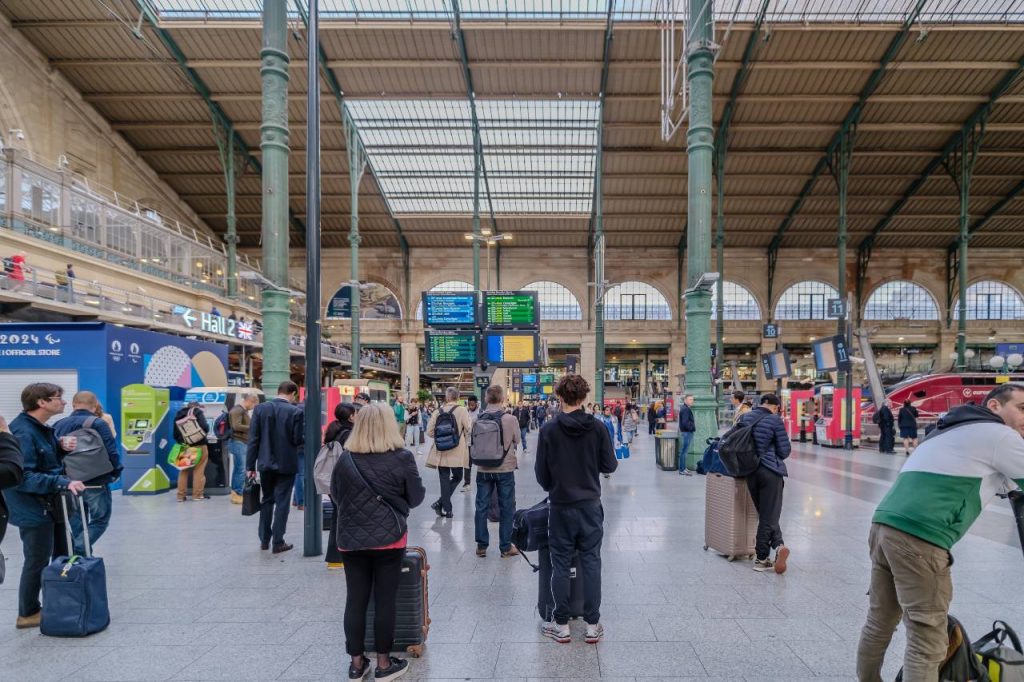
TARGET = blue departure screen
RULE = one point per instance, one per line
(529, 378)
(450, 309)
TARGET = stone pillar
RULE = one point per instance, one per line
(410, 364)
(588, 363)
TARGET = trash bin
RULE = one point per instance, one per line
(666, 450)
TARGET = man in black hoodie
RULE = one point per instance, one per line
(573, 450)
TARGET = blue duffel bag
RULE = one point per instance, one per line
(75, 589)
(711, 462)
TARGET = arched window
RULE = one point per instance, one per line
(451, 285)
(556, 302)
(991, 300)
(738, 303)
(635, 301)
(901, 300)
(377, 302)
(805, 301)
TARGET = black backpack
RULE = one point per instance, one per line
(222, 427)
(738, 449)
(962, 663)
(446, 430)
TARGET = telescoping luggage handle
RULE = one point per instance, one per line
(1016, 498)
(67, 525)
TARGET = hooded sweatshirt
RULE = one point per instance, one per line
(573, 450)
(958, 469)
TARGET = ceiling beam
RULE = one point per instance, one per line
(981, 113)
(991, 213)
(609, 176)
(952, 215)
(851, 120)
(634, 196)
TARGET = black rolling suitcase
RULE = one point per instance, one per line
(1017, 502)
(412, 621)
(546, 600)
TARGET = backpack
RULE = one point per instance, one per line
(89, 459)
(962, 664)
(487, 447)
(188, 427)
(446, 431)
(222, 427)
(738, 449)
(323, 467)
(1001, 653)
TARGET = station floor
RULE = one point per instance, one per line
(192, 596)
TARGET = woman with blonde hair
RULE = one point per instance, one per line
(376, 483)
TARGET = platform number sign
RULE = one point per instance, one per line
(770, 331)
(836, 308)
(842, 353)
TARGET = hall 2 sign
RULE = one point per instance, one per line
(215, 324)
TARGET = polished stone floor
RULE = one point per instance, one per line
(193, 598)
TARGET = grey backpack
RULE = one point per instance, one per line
(487, 448)
(89, 459)
(323, 467)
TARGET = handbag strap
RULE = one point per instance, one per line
(370, 487)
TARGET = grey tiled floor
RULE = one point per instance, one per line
(193, 598)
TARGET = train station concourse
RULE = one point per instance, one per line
(700, 322)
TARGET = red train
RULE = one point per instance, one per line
(934, 394)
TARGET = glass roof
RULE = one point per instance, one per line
(539, 155)
(846, 11)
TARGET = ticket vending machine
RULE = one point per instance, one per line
(214, 401)
(145, 438)
(831, 426)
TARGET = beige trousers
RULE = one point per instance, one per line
(198, 473)
(910, 580)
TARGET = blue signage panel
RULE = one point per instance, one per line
(450, 309)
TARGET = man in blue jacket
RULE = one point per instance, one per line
(97, 493)
(766, 484)
(34, 506)
(687, 427)
(275, 440)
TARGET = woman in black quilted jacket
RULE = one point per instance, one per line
(376, 483)
(337, 431)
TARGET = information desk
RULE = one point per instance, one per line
(452, 348)
(450, 309)
(511, 309)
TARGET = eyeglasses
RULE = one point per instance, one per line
(55, 397)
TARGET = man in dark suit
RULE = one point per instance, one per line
(275, 440)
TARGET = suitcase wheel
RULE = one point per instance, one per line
(705, 548)
(415, 650)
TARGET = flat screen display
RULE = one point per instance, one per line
(529, 378)
(546, 378)
(776, 364)
(512, 349)
(511, 309)
(141, 424)
(450, 309)
(452, 348)
(830, 354)
(530, 389)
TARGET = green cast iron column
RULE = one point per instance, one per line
(356, 168)
(599, 352)
(842, 160)
(720, 266)
(231, 238)
(966, 165)
(477, 237)
(274, 145)
(700, 149)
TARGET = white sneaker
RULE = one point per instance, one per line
(763, 565)
(781, 555)
(559, 633)
(593, 633)
(465, 488)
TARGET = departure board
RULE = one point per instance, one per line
(452, 348)
(450, 309)
(547, 378)
(512, 349)
(511, 309)
(529, 378)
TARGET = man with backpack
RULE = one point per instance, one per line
(450, 428)
(975, 453)
(573, 450)
(767, 482)
(473, 405)
(496, 437)
(522, 414)
(190, 429)
(94, 441)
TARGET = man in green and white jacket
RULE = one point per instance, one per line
(975, 453)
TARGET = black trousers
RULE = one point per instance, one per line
(887, 438)
(450, 479)
(652, 424)
(375, 571)
(766, 490)
(333, 555)
(572, 529)
(40, 544)
(274, 506)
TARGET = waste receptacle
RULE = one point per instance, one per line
(666, 450)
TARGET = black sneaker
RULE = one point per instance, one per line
(355, 673)
(437, 508)
(397, 668)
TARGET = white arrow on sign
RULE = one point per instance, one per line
(188, 317)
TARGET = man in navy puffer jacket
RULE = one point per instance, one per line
(767, 483)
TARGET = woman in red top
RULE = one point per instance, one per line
(376, 483)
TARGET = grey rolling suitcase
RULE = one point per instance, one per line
(730, 518)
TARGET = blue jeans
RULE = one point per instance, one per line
(97, 510)
(300, 483)
(486, 485)
(238, 451)
(684, 447)
(40, 545)
(523, 430)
